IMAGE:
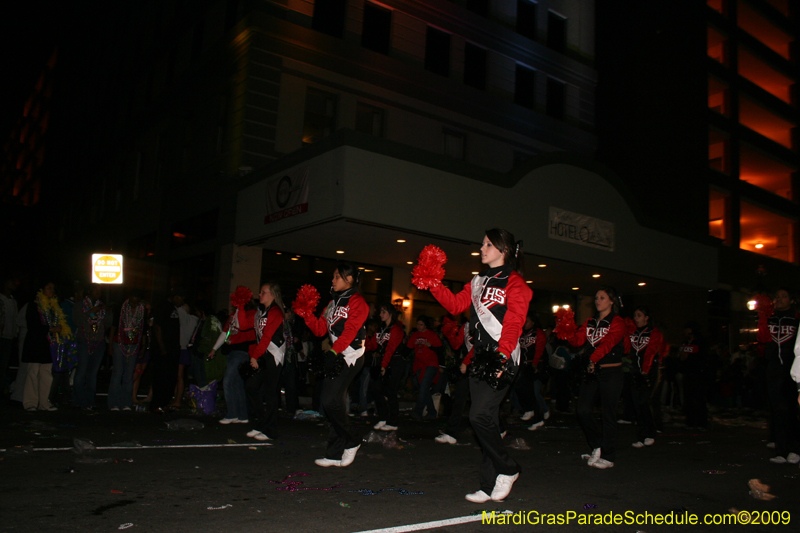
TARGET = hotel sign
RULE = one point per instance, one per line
(287, 195)
(581, 229)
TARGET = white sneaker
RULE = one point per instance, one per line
(114, 409)
(349, 455)
(502, 486)
(240, 421)
(126, 408)
(327, 462)
(503, 434)
(771, 445)
(261, 436)
(379, 425)
(623, 421)
(536, 426)
(253, 433)
(638, 444)
(364, 413)
(228, 420)
(602, 464)
(527, 416)
(444, 438)
(546, 415)
(478, 497)
(591, 457)
(649, 442)
(778, 460)
(387, 427)
(793, 458)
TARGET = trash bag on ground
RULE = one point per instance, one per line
(205, 398)
(82, 446)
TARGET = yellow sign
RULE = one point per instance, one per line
(106, 268)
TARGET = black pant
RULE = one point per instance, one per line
(641, 392)
(782, 392)
(607, 387)
(265, 406)
(342, 435)
(165, 376)
(523, 386)
(694, 393)
(384, 390)
(484, 417)
(289, 380)
(458, 422)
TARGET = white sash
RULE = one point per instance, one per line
(278, 352)
(489, 322)
(351, 354)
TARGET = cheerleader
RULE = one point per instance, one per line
(646, 343)
(389, 337)
(426, 365)
(343, 321)
(604, 339)
(693, 366)
(528, 386)
(498, 301)
(778, 330)
(266, 357)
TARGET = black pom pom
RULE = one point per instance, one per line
(486, 365)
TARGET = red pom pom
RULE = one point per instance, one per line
(449, 328)
(241, 297)
(305, 303)
(429, 271)
(764, 306)
(630, 324)
(565, 324)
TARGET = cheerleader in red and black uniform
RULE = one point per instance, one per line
(531, 378)
(266, 356)
(384, 389)
(604, 339)
(426, 365)
(498, 300)
(778, 331)
(343, 321)
(646, 344)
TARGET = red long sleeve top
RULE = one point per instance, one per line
(606, 336)
(423, 355)
(274, 321)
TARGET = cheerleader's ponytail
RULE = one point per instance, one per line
(511, 248)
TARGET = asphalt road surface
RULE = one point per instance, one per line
(172, 484)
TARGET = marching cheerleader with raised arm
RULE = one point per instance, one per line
(343, 322)
(498, 301)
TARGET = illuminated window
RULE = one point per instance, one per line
(762, 29)
(764, 76)
(556, 97)
(717, 46)
(719, 215)
(526, 19)
(780, 5)
(765, 122)
(765, 171)
(320, 115)
(524, 87)
(377, 28)
(437, 51)
(777, 234)
(369, 119)
(556, 32)
(475, 66)
(329, 17)
(718, 5)
(719, 96)
(719, 151)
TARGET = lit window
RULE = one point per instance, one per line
(320, 115)
(765, 122)
(760, 73)
(717, 46)
(762, 29)
(719, 215)
(765, 171)
(717, 5)
(777, 233)
(719, 96)
(719, 151)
